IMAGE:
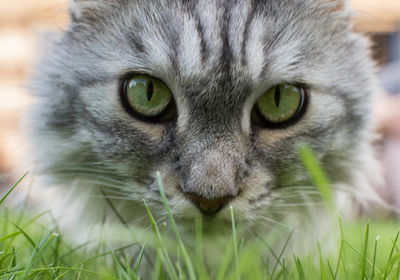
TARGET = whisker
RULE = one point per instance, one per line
(270, 225)
(286, 213)
(303, 204)
(297, 195)
(96, 184)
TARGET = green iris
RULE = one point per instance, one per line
(281, 103)
(147, 96)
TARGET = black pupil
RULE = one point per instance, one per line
(150, 90)
(277, 96)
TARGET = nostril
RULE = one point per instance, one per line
(209, 207)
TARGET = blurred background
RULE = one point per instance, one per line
(24, 22)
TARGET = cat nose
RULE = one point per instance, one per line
(209, 207)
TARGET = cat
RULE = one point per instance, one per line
(216, 96)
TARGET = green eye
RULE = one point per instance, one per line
(147, 96)
(281, 104)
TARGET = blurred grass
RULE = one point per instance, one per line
(33, 248)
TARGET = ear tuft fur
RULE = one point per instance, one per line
(75, 9)
(80, 8)
(340, 5)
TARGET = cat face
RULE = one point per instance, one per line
(211, 63)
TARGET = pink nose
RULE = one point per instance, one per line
(209, 207)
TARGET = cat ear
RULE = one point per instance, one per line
(340, 5)
(75, 9)
(79, 9)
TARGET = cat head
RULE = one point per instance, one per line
(218, 71)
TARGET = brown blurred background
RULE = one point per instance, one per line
(23, 22)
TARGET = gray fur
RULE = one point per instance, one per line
(217, 57)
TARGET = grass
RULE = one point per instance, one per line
(33, 248)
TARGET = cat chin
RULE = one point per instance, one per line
(210, 226)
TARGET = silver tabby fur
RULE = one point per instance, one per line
(217, 57)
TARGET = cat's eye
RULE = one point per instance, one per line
(147, 97)
(280, 105)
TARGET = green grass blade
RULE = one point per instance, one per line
(70, 252)
(10, 191)
(318, 175)
(300, 269)
(278, 260)
(285, 270)
(339, 259)
(321, 262)
(223, 269)
(30, 240)
(37, 254)
(364, 253)
(161, 251)
(331, 270)
(8, 236)
(200, 266)
(235, 247)
(157, 270)
(139, 259)
(360, 254)
(186, 257)
(391, 256)
(119, 267)
(374, 260)
(45, 269)
(390, 264)
(114, 209)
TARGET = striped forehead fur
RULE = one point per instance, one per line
(206, 26)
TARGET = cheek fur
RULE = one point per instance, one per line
(323, 112)
(103, 103)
